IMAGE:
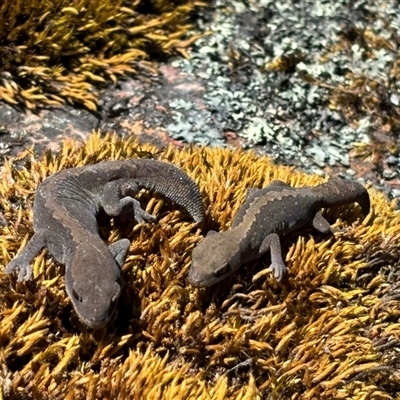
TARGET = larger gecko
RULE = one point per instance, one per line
(64, 220)
(266, 213)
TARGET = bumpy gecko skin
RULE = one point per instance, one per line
(64, 221)
(276, 209)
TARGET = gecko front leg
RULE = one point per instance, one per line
(119, 250)
(22, 263)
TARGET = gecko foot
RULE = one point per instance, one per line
(278, 269)
(143, 216)
(24, 269)
(140, 215)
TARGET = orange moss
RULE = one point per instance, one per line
(61, 51)
(329, 331)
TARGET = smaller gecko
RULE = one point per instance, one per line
(64, 221)
(266, 213)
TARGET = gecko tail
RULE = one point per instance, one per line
(339, 191)
(172, 182)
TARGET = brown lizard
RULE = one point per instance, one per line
(64, 220)
(266, 213)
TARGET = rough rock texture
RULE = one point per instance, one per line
(311, 84)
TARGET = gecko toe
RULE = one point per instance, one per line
(10, 267)
(143, 216)
(25, 273)
(279, 270)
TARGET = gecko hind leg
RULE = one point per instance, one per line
(272, 243)
(117, 200)
(320, 223)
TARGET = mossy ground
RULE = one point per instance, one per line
(61, 51)
(330, 330)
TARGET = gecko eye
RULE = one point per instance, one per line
(76, 295)
(222, 270)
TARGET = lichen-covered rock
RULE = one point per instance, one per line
(328, 331)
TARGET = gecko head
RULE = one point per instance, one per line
(94, 292)
(213, 259)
